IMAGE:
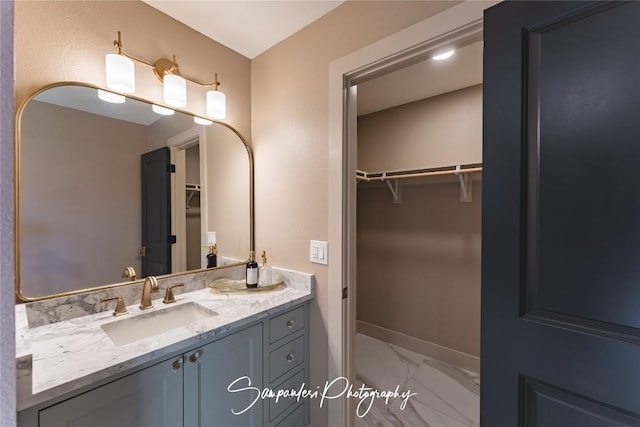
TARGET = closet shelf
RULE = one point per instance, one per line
(461, 171)
(417, 173)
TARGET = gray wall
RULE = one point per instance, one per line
(7, 323)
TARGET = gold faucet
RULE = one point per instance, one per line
(150, 286)
(129, 273)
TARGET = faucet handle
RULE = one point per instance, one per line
(120, 307)
(168, 296)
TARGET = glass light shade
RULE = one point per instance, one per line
(216, 105)
(162, 110)
(175, 91)
(444, 55)
(121, 75)
(113, 98)
(201, 121)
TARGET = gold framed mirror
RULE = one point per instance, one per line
(87, 207)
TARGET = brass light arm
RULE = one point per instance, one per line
(163, 66)
(119, 51)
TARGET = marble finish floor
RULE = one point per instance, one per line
(446, 396)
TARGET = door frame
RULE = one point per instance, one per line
(195, 135)
(396, 51)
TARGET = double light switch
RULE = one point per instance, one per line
(318, 252)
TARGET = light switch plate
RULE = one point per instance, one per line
(318, 252)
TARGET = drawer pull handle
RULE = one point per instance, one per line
(290, 357)
(194, 357)
(290, 324)
(177, 364)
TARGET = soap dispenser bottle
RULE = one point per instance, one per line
(252, 271)
(265, 271)
(212, 256)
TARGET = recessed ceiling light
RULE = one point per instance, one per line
(444, 55)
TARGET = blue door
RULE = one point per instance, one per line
(156, 212)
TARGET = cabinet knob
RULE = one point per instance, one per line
(290, 357)
(290, 324)
(195, 356)
(177, 364)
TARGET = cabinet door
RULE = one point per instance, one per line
(151, 397)
(210, 372)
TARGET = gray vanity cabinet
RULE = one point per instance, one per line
(151, 397)
(208, 372)
(194, 388)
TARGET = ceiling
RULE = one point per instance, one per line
(422, 80)
(250, 27)
(247, 26)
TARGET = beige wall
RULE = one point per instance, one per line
(290, 96)
(67, 41)
(440, 131)
(227, 192)
(418, 263)
(79, 221)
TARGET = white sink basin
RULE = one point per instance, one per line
(155, 322)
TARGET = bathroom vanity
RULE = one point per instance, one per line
(97, 370)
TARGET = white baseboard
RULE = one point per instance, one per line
(427, 348)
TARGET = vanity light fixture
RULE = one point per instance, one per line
(444, 55)
(162, 110)
(111, 97)
(121, 78)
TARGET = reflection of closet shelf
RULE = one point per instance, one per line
(192, 190)
(461, 171)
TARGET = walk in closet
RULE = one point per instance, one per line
(418, 239)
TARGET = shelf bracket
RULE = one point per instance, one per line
(465, 186)
(395, 190)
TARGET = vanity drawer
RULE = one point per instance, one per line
(284, 403)
(285, 324)
(294, 419)
(285, 358)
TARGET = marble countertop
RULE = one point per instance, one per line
(64, 356)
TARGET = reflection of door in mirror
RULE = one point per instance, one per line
(156, 212)
(189, 200)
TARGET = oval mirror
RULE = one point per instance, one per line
(105, 186)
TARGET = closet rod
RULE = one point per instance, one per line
(383, 176)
